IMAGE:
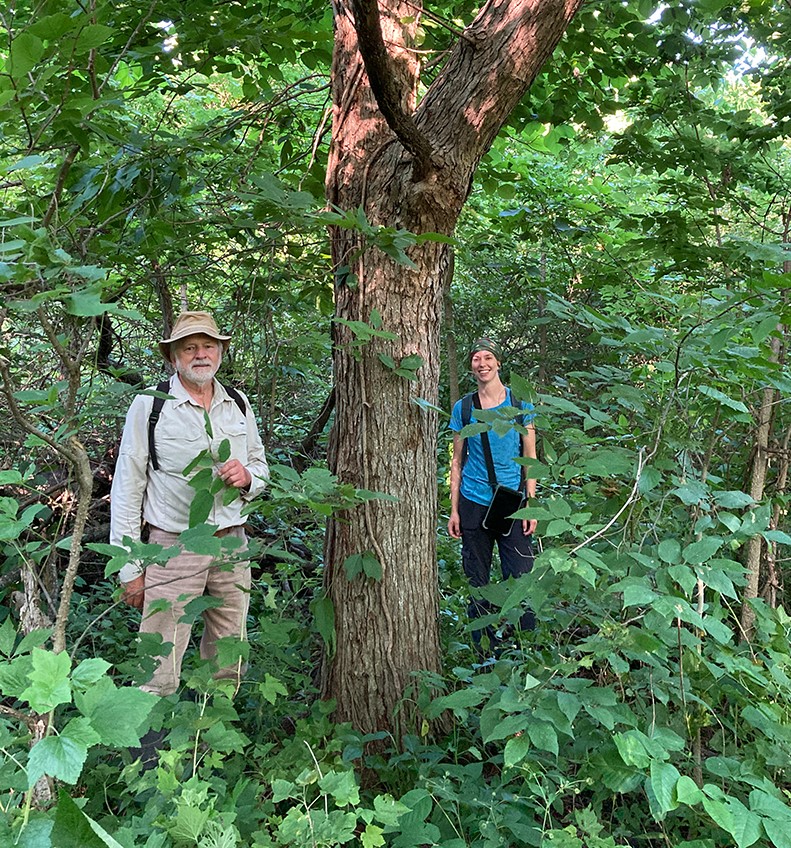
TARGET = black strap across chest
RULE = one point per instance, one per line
(467, 403)
(156, 411)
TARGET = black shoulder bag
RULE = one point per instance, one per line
(505, 501)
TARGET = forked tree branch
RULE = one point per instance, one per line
(384, 85)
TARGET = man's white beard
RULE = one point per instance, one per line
(200, 377)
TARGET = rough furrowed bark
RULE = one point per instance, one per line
(387, 630)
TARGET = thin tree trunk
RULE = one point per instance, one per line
(760, 465)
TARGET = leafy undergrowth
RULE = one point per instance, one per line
(623, 719)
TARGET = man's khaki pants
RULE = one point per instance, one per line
(185, 577)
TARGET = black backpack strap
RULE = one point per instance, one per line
(238, 398)
(156, 411)
(487, 449)
(466, 417)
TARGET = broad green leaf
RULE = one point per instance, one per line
(663, 778)
(770, 324)
(7, 638)
(73, 829)
(26, 52)
(691, 493)
(201, 507)
(687, 791)
(372, 836)
(116, 714)
(778, 832)
(86, 303)
(342, 786)
(703, 550)
(271, 687)
(636, 591)
(733, 499)
(769, 806)
(459, 701)
(720, 813)
(516, 749)
(89, 671)
(201, 540)
(722, 398)
(543, 736)
(26, 163)
(669, 551)
(387, 810)
(57, 756)
(92, 36)
(324, 617)
(509, 726)
(49, 681)
(632, 750)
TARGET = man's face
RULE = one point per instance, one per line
(484, 365)
(197, 358)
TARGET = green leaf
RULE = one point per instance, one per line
(201, 507)
(778, 832)
(631, 749)
(691, 493)
(767, 326)
(86, 303)
(24, 164)
(324, 617)
(769, 806)
(224, 450)
(92, 36)
(342, 786)
(7, 638)
(271, 688)
(49, 681)
(543, 736)
(116, 714)
(516, 749)
(387, 810)
(57, 756)
(722, 398)
(73, 829)
(663, 778)
(733, 499)
(703, 550)
(372, 836)
(201, 540)
(89, 671)
(687, 791)
(365, 563)
(669, 551)
(26, 52)
(458, 701)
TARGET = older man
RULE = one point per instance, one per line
(150, 484)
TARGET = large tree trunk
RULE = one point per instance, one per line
(387, 629)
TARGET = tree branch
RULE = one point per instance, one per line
(384, 85)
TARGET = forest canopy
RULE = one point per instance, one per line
(356, 191)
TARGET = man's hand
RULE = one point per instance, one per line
(134, 592)
(454, 525)
(233, 473)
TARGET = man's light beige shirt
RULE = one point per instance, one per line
(163, 497)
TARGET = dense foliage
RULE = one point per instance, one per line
(627, 239)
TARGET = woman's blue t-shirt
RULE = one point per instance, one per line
(505, 449)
